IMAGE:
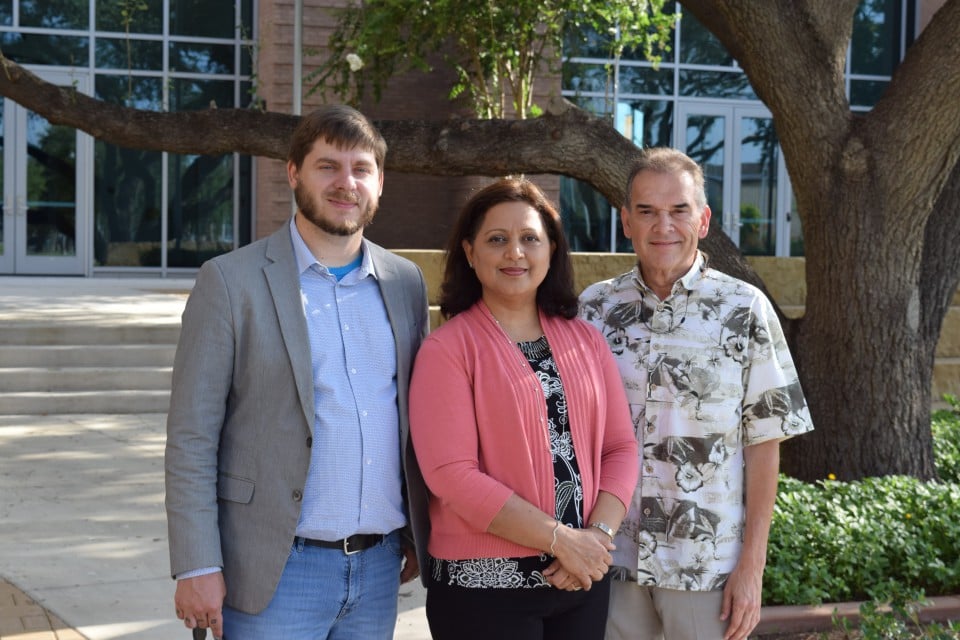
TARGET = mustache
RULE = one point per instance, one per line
(342, 195)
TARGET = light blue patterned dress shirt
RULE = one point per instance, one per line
(354, 484)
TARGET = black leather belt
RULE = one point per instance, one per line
(351, 545)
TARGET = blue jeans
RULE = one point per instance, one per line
(325, 594)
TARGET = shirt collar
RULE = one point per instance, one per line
(688, 281)
(306, 259)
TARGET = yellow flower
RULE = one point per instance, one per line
(908, 516)
(830, 476)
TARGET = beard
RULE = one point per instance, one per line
(311, 210)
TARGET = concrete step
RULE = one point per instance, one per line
(105, 379)
(87, 355)
(66, 333)
(116, 401)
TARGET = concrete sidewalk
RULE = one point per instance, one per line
(83, 541)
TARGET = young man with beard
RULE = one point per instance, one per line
(292, 493)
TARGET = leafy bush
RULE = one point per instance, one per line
(836, 541)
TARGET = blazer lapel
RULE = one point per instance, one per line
(284, 284)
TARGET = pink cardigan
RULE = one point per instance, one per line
(478, 423)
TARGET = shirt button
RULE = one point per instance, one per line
(297, 495)
(648, 468)
(353, 370)
(651, 428)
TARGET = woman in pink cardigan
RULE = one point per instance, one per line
(522, 431)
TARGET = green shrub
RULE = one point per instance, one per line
(836, 541)
(946, 441)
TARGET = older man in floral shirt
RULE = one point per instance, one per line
(713, 391)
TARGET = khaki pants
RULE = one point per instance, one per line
(649, 613)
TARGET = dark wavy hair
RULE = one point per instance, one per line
(460, 288)
(339, 125)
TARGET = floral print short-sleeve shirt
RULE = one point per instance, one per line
(707, 372)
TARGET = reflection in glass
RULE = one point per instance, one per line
(705, 143)
(55, 14)
(128, 53)
(796, 228)
(866, 93)
(646, 80)
(127, 222)
(586, 77)
(51, 188)
(6, 18)
(699, 46)
(187, 94)
(135, 92)
(34, 48)
(875, 43)
(200, 210)
(759, 154)
(197, 57)
(716, 84)
(146, 16)
(206, 18)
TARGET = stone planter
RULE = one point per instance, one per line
(800, 619)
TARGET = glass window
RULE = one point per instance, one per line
(646, 80)
(581, 41)
(55, 14)
(875, 43)
(865, 93)
(652, 119)
(127, 53)
(127, 224)
(759, 158)
(699, 46)
(200, 211)
(201, 58)
(6, 14)
(130, 16)
(716, 84)
(203, 18)
(592, 78)
(32, 48)
(187, 94)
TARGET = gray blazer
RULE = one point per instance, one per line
(241, 413)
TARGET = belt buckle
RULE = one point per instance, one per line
(346, 547)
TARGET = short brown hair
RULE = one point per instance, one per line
(461, 288)
(339, 125)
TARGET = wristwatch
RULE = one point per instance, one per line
(605, 528)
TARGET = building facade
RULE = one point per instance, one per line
(73, 205)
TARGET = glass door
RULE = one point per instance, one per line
(45, 190)
(748, 189)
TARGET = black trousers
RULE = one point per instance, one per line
(458, 613)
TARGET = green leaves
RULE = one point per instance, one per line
(836, 541)
(496, 49)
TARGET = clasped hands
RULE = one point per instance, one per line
(582, 556)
